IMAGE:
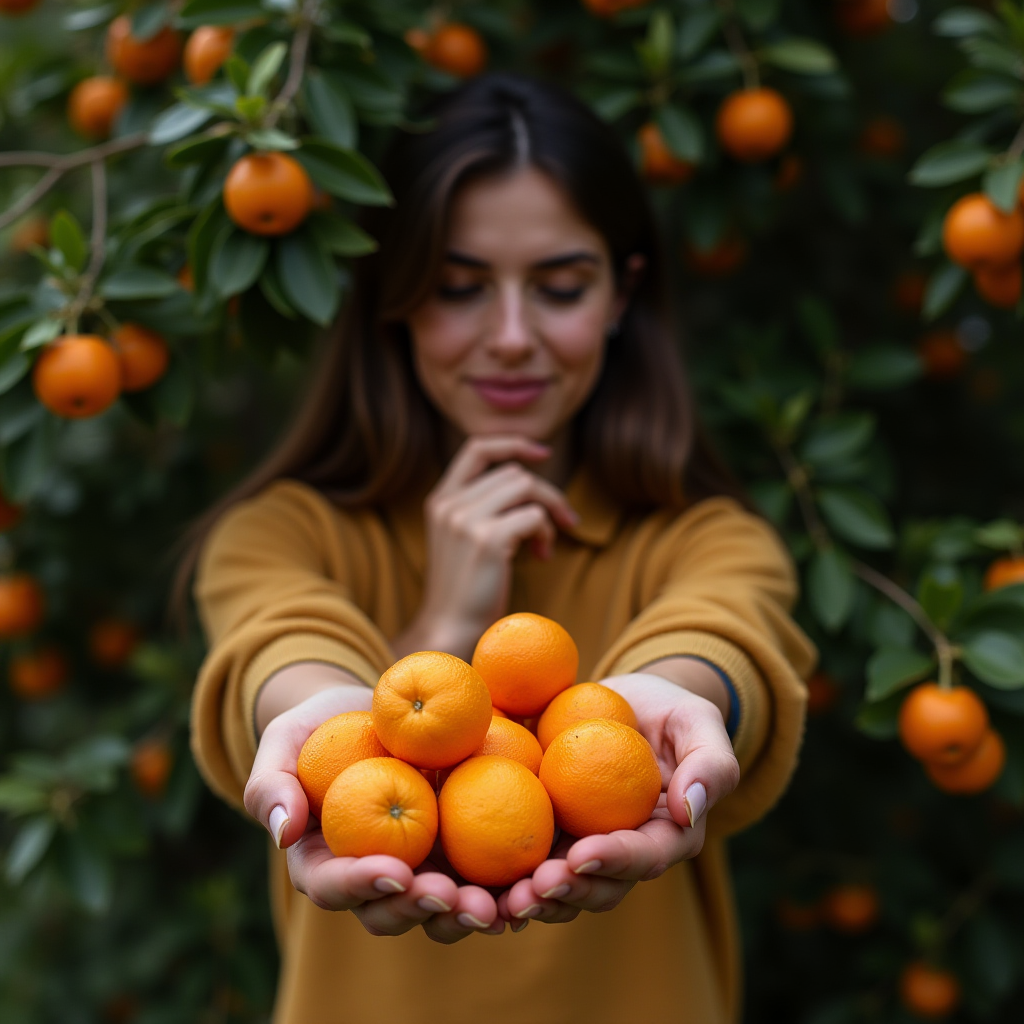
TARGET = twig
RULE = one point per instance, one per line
(31, 197)
(97, 243)
(296, 63)
(796, 477)
(738, 46)
(1016, 147)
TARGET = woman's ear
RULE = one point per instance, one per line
(636, 263)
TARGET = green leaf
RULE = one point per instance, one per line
(271, 138)
(266, 65)
(941, 593)
(883, 367)
(201, 236)
(13, 370)
(656, 49)
(236, 261)
(992, 56)
(219, 12)
(879, 720)
(236, 69)
(943, 287)
(793, 413)
(29, 847)
(91, 876)
(1001, 181)
(965, 21)
(681, 131)
(137, 283)
(21, 796)
(612, 104)
(148, 20)
(856, 516)
(25, 463)
(773, 497)
(308, 276)
(200, 150)
(329, 108)
(1002, 534)
(697, 26)
(830, 587)
(273, 292)
(949, 162)
(67, 236)
(42, 332)
(341, 236)
(343, 173)
(176, 122)
(891, 669)
(758, 14)
(804, 56)
(837, 438)
(974, 92)
(174, 394)
(996, 659)
(818, 323)
(250, 108)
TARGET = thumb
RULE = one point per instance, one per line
(707, 769)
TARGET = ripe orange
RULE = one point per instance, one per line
(863, 17)
(206, 50)
(509, 739)
(882, 137)
(185, 279)
(143, 355)
(908, 291)
(496, 820)
(998, 286)
(37, 674)
(112, 642)
(942, 354)
(16, 7)
(659, 164)
(417, 39)
(1004, 572)
(331, 748)
(95, 104)
(142, 61)
(525, 659)
(457, 49)
(601, 776)
(722, 259)
(822, 692)
(606, 8)
(579, 703)
(850, 908)
(977, 231)
(791, 170)
(268, 193)
(380, 805)
(976, 772)
(754, 124)
(21, 605)
(431, 709)
(151, 767)
(76, 376)
(498, 713)
(942, 726)
(33, 230)
(928, 991)
(10, 515)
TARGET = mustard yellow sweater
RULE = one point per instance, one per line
(287, 576)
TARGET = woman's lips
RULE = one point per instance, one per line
(509, 394)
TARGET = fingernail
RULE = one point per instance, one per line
(531, 911)
(519, 926)
(433, 904)
(557, 893)
(278, 822)
(469, 921)
(696, 800)
(388, 885)
(591, 865)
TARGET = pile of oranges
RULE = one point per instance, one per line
(948, 730)
(488, 757)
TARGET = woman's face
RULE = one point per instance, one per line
(513, 336)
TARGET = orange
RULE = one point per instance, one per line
(38, 674)
(76, 376)
(525, 659)
(380, 805)
(206, 50)
(659, 164)
(1004, 572)
(10, 515)
(498, 713)
(143, 356)
(927, 991)
(21, 605)
(457, 49)
(822, 692)
(977, 231)
(863, 17)
(431, 709)
(754, 124)
(851, 909)
(151, 767)
(722, 259)
(797, 917)
(577, 704)
(510, 739)
(112, 642)
(16, 7)
(976, 772)
(998, 286)
(185, 279)
(942, 726)
(791, 170)
(268, 193)
(908, 291)
(417, 39)
(496, 820)
(942, 354)
(606, 8)
(33, 230)
(601, 776)
(95, 104)
(142, 61)
(331, 748)
(882, 137)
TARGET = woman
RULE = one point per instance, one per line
(501, 423)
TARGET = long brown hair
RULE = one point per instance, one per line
(365, 432)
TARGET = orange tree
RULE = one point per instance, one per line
(839, 186)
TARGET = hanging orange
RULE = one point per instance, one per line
(142, 61)
(863, 17)
(457, 49)
(658, 163)
(851, 908)
(95, 104)
(17, 7)
(725, 257)
(942, 354)
(976, 772)
(112, 642)
(882, 137)
(822, 693)
(151, 765)
(1004, 572)
(976, 231)
(206, 50)
(143, 355)
(754, 124)
(10, 514)
(268, 193)
(21, 605)
(942, 726)
(35, 675)
(928, 991)
(76, 376)
(998, 286)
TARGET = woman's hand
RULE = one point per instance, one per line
(476, 518)
(386, 895)
(698, 768)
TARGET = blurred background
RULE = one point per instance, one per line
(838, 186)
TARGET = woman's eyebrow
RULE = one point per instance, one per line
(565, 259)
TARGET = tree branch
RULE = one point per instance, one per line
(97, 244)
(737, 44)
(296, 63)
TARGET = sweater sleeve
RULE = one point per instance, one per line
(720, 585)
(274, 586)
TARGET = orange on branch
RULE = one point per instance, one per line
(580, 703)
(95, 104)
(331, 748)
(33, 230)
(822, 693)
(35, 675)
(601, 776)
(882, 137)
(928, 991)
(17, 7)
(942, 354)
(142, 61)
(112, 642)
(10, 514)
(22, 605)
(998, 286)
(1004, 572)
(525, 659)
(658, 163)
(151, 765)
(725, 257)
(976, 231)
(380, 805)
(789, 174)
(496, 820)
(943, 726)
(431, 709)
(851, 909)
(976, 772)
(185, 278)
(268, 193)
(206, 50)
(143, 355)
(457, 49)
(754, 124)
(76, 376)
(863, 17)
(510, 739)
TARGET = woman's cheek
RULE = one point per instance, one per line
(442, 335)
(577, 338)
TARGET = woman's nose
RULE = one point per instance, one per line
(511, 336)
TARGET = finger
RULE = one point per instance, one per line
(475, 911)
(524, 904)
(503, 488)
(707, 769)
(510, 529)
(635, 855)
(481, 451)
(431, 893)
(555, 880)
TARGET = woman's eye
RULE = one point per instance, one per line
(452, 293)
(563, 294)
